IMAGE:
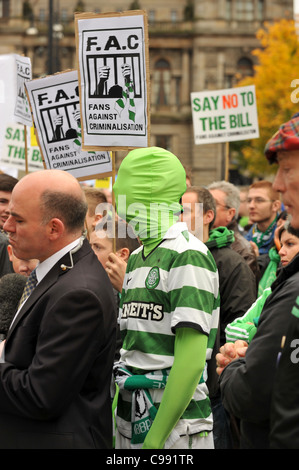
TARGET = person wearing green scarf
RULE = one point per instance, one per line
(264, 206)
(245, 327)
(270, 272)
(168, 311)
(237, 289)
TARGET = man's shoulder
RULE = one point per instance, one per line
(3, 238)
(229, 257)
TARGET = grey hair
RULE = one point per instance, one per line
(232, 194)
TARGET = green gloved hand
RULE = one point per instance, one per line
(188, 366)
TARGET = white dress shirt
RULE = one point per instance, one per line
(42, 270)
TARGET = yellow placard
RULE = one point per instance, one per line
(33, 139)
(102, 183)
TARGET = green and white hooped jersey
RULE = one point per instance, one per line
(176, 285)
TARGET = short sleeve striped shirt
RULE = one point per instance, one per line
(176, 285)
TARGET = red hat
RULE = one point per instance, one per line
(286, 138)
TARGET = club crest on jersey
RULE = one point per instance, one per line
(153, 278)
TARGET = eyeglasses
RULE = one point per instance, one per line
(222, 205)
(258, 200)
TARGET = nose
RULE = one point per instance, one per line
(8, 225)
(281, 251)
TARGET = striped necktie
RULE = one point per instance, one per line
(30, 285)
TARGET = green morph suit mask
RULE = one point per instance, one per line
(149, 185)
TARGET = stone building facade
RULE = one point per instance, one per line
(194, 45)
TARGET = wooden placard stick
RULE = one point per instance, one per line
(26, 150)
(226, 161)
(113, 202)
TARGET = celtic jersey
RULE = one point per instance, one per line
(175, 286)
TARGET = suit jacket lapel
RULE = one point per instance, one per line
(50, 279)
(39, 290)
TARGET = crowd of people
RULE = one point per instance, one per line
(173, 325)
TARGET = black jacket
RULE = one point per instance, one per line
(237, 290)
(236, 281)
(246, 384)
(284, 432)
(59, 352)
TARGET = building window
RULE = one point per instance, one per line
(245, 67)
(151, 16)
(161, 85)
(4, 8)
(244, 10)
(178, 91)
(228, 81)
(164, 141)
(260, 10)
(174, 16)
(64, 15)
(228, 9)
(42, 15)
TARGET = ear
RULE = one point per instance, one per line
(96, 219)
(230, 214)
(124, 253)
(208, 217)
(55, 228)
(10, 253)
(276, 205)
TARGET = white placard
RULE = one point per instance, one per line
(55, 105)
(224, 115)
(13, 149)
(8, 93)
(112, 56)
(22, 109)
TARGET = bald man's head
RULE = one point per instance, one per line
(46, 213)
(58, 194)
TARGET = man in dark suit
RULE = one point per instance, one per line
(56, 366)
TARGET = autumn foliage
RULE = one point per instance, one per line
(276, 79)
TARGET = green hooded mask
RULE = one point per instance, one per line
(148, 189)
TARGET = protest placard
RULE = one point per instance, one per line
(13, 152)
(15, 70)
(54, 102)
(22, 109)
(224, 115)
(112, 53)
(8, 93)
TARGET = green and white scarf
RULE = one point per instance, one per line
(143, 410)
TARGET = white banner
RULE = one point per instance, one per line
(24, 74)
(13, 149)
(14, 71)
(224, 115)
(55, 106)
(8, 93)
(112, 56)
